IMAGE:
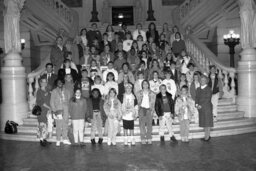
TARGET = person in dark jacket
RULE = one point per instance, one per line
(164, 107)
(96, 115)
(67, 70)
(50, 76)
(152, 32)
(93, 34)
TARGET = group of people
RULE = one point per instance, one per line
(116, 78)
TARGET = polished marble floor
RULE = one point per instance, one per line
(231, 153)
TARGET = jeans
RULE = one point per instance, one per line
(62, 129)
(145, 120)
(184, 128)
(96, 125)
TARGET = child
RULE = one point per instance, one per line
(185, 59)
(96, 115)
(167, 61)
(98, 84)
(127, 43)
(144, 58)
(119, 61)
(77, 110)
(94, 70)
(85, 84)
(170, 84)
(183, 81)
(140, 42)
(184, 108)
(190, 73)
(129, 111)
(69, 84)
(94, 56)
(110, 83)
(112, 108)
(163, 42)
(142, 69)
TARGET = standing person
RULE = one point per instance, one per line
(126, 71)
(108, 70)
(184, 108)
(51, 77)
(57, 54)
(67, 70)
(115, 41)
(138, 32)
(96, 115)
(138, 82)
(164, 107)
(170, 84)
(204, 105)
(111, 83)
(77, 110)
(152, 32)
(178, 44)
(43, 100)
(175, 30)
(83, 37)
(106, 56)
(193, 87)
(59, 104)
(146, 102)
(112, 108)
(216, 86)
(85, 84)
(166, 32)
(94, 34)
(129, 111)
(155, 83)
(122, 32)
(190, 73)
(127, 43)
(119, 61)
(110, 32)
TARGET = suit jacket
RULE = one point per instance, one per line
(159, 105)
(175, 76)
(156, 38)
(93, 34)
(57, 56)
(62, 74)
(50, 81)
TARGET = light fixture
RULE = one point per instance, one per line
(120, 16)
(231, 40)
(23, 42)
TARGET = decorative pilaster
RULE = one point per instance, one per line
(94, 12)
(247, 65)
(150, 12)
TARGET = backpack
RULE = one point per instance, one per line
(11, 127)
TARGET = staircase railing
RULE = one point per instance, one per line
(204, 58)
(187, 6)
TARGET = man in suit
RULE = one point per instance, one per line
(94, 34)
(174, 72)
(51, 77)
(57, 54)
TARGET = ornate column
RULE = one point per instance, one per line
(247, 65)
(94, 12)
(150, 12)
(14, 90)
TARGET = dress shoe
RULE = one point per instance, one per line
(100, 140)
(42, 143)
(93, 141)
(173, 139)
(162, 138)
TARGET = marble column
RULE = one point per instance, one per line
(94, 12)
(246, 99)
(13, 77)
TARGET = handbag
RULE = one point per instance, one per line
(36, 110)
(11, 127)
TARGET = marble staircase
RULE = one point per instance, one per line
(230, 122)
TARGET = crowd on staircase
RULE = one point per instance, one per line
(121, 76)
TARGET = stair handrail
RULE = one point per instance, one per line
(187, 6)
(203, 57)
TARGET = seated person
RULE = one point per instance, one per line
(125, 71)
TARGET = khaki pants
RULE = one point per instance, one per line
(184, 128)
(145, 119)
(49, 122)
(78, 130)
(166, 121)
(112, 129)
(62, 129)
(96, 125)
(215, 100)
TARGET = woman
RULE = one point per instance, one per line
(110, 32)
(166, 32)
(112, 108)
(146, 102)
(152, 32)
(83, 36)
(204, 106)
(133, 57)
(155, 67)
(193, 87)
(127, 43)
(111, 83)
(77, 110)
(43, 97)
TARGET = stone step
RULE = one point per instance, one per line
(215, 132)
(176, 127)
(221, 116)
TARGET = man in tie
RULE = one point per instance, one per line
(51, 77)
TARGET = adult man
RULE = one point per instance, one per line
(57, 54)
(164, 107)
(139, 31)
(94, 34)
(51, 77)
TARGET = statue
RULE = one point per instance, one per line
(247, 15)
(12, 24)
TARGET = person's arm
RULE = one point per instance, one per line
(52, 101)
(157, 106)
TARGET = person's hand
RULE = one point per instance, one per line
(160, 117)
(199, 107)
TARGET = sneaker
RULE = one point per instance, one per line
(58, 143)
(162, 138)
(173, 139)
(109, 141)
(66, 142)
(125, 141)
(100, 140)
(42, 143)
(133, 141)
(93, 141)
(113, 141)
(46, 142)
(150, 141)
(143, 142)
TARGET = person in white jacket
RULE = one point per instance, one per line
(138, 32)
(170, 84)
(110, 69)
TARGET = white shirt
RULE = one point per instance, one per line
(145, 100)
(109, 85)
(136, 33)
(84, 40)
(154, 85)
(202, 87)
(170, 87)
(127, 44)
(105, 73)
(129, 100)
